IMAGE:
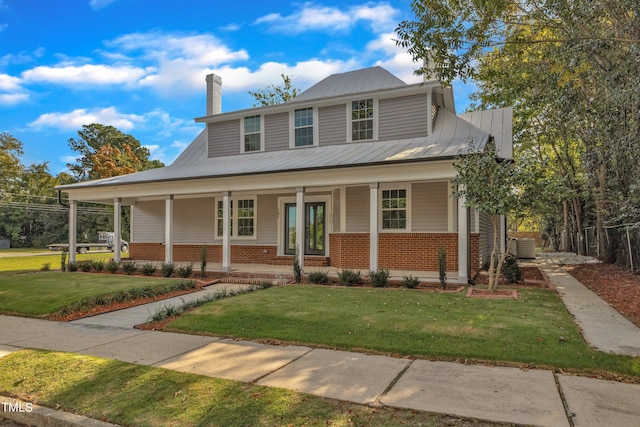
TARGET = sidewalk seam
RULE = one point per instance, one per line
(377, 401)
(281, 367)
(567, 412)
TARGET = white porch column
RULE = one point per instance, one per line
(373, 226)
(300, 227)
(463, 240)
(226, 236)
(117, 228)
(168, 230)
(343, 209)
(73, 232)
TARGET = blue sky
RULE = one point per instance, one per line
(140, 65)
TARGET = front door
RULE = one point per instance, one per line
(314, 217)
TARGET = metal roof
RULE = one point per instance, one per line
(450, 136)
(499, 124)
(358, 81)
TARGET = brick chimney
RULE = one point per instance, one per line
(214, 94)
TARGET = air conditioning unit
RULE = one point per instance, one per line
(526, 248)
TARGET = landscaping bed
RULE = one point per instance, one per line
(612, 283)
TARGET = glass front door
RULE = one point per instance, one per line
(314, 228)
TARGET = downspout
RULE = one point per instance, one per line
(60, 199)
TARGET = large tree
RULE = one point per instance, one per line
(105, 151)
(570, 70)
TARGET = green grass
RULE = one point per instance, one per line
(35, 262)
(38, 294)
(137, 395)
(535, 330)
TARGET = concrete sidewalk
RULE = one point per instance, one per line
(511, 395)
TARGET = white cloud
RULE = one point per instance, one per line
(3, 27)
(81, 116)
(311, 17)
(396, 60)
(9, 83)
(99, 4)
(11, 92)
(86, 74)
(12, 98)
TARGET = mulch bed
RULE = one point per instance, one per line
(532, 277)
(100, 309)
(612, 283)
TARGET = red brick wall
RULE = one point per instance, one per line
(349, 250)
(416, 251)
(475, 251)
(146, 251)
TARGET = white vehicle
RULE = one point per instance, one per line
(105, 241)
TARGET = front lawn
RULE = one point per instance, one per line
(39, 294)
(137, 395)
(534, 330)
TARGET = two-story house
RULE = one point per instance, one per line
(354, 172)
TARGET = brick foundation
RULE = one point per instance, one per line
(416, 251)
(349, 250)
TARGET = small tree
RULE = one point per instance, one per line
(274, 95)
(489, 185)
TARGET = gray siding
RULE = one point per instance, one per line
(429, 207)
(224, 138)
(193, 221)
(332, 122)
(404, 117)
(357, 209)
(267, 220)
(147, 222)
(276, 132)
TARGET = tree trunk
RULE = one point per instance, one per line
(600, 210)
(494, 275)
(566, 245)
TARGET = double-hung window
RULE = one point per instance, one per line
(362, 120)
(303, 127)
(252, 134)
(242, 217)
(394, 209)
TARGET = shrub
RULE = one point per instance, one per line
(185, 271)
(63, 261)
(72, 266)
(318, 277)
(46, 267)
(167, 269)
(85, 266)
(112, 267)
(442, 267)
(379, 278)
(97, 266)
(148, 269)
(203, 260)
(129, 267)
(410, 282)
(511, 271)
(349, 277)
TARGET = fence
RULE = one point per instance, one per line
(622, 245)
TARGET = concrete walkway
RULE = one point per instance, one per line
(511, 395)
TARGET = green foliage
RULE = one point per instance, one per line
(274, 95)
(442, 267)
(511, 270)
(72, 266)
(410, 282)
(379, 278)
(85, 266)
(185, 271)
(63, 261)
(148, 269)
(98, 266)
(129, 267)
(349, 277)
(167, 269)
(203, 260)
(45, 267)
(318, 277)
(112, 266)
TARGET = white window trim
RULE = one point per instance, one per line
(292, 128)
(242, 148)
(350, 122)
(234, 217)
(395, 186)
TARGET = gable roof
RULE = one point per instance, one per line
(364, 80)
(499, 123)
(450, 136)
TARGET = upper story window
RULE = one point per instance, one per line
(362, 119)
(252, 134)
(303, 127)
(394, 209)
